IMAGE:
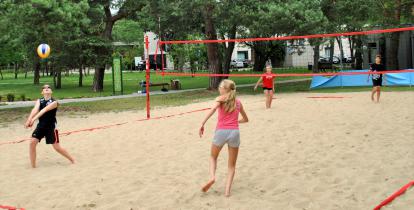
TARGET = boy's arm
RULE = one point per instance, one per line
(34, 111)
(49, 107)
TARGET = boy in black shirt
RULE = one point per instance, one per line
(376, 78)
(45, 110)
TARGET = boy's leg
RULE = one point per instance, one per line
(63, 152)
(215, 151)
(374, 90)
(32, 151)
(233, 152)
(378, 93)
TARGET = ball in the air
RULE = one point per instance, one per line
(43, 51)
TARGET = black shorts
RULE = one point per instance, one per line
(377, 82)
(51, 135)
(266, 88)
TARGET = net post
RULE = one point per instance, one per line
(147, 76)
(162, 60)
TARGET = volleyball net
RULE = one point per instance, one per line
(332, 54)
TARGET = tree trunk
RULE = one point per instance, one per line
(260, 56)
(229, 50)
(16, 70)
(358, 53)
(315, 67)
(273, 61)
(108, 29)
(25, 70)
(259, 62)
(214, 61)
(98, 83)
(36, 77)
(43, 70)
(47, 68)
(80, 75)
(341, 50)
(392, 51)
(331, 49)
(54, 79)
(51, 70)
(1, 74)
(103, 52)
(276, 61)
(59, 79)
(351, 47)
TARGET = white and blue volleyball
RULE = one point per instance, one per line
(43, 51)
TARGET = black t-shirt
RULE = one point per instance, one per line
(48, 119)
(377, 67)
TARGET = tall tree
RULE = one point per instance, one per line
(103, 49)
(394, 14)
(46, 21)
(280, 18)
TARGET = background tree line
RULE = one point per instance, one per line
(81, 32)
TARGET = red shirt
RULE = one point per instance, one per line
(267, 80)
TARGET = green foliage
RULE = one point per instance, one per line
(80, 34)
(195, 54)
(129, 32)
(10, 97)
(22, 97)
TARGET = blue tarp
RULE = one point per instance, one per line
(391, 79)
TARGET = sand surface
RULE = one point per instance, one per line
(303, 154)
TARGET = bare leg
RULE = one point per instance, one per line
(215, 151)
(233, 152)
(270, 98)
(266, 92)
(63, 152)
(374, 90)
(32, 151)
(378, 93)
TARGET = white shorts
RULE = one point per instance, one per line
(223, 136)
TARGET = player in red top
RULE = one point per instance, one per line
(268, 86)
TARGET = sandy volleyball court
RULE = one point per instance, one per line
(314, 154)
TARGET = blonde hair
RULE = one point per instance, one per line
(230, 103)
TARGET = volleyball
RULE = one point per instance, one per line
(43, 51)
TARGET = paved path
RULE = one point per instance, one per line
(20, 104)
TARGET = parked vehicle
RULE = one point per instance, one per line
(348, 59)
(237, 64)
(335, 60)
(142, 65)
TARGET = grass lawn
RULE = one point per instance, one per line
(138, 103)
(70, 89)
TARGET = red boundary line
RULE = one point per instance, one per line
(284, 74)
(327, 97)
(10, 208)
(109, 126)
(380, 31)
(395, 195)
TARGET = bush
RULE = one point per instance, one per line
(0, 97)
(10, 97)
(23, 97)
